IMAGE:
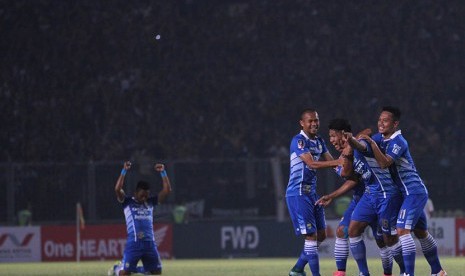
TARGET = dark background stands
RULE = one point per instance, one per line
(87, 80)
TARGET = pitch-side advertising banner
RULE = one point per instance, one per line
(196, 240)
(460, 237)
(98, 242)
(272, 239)
(19, 244)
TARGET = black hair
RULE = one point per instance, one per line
(340, 124)
(393, 110)
(305, 111)
(142, 185)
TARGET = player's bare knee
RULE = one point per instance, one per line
(401, 232)
(311, 237)
(356, 230)
(390, 240)
(321, 235)
(420, 233)
(342, 232)
(380, 243)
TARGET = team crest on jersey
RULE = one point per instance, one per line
(385, 223)
(300, 144)
(396, 148)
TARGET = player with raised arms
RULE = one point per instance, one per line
(138, 211)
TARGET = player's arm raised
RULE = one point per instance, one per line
(120, 195)
(348, 164)
(166, 190)
(354, 143)
(308, 159)
(383, 160)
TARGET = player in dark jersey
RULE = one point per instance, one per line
(138, 211)
(306, 151)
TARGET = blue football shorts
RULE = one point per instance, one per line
(345, 221)
(307, 218)
(146, 251)
(411, 214)
(374, 207)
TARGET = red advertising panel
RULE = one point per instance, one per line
(98, 242)
(460, 236)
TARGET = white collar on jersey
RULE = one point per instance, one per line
(398, 132)
(305, 135)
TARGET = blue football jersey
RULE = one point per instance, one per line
(139, 218)
(403, 170)
(376, 179)
(358, 190)
(302, 179)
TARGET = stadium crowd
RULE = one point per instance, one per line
(89, 80)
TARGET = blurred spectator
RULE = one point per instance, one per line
(180, 214)
(25, 216)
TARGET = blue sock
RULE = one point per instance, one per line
(357, 247)
(408, 252)
(386, 260)
(311, 253)
(430, 250)
(301, 262)
(341, 253)
(396, 252)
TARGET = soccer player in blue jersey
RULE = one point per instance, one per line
(380, 202)
(391, 152)
(138, 211)
(306, 151)
(356, 183)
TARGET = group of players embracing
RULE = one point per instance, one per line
(388, 195)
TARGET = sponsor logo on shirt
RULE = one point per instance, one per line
(306, 189)
(300, 144)
(142, 214)
(396, 148)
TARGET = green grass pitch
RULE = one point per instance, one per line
(206, 267)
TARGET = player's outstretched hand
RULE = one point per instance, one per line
(159, 167)
(365, 137)
(340, 161)
(366, 131)
(346, 135)
(324, 201)
(127, 165)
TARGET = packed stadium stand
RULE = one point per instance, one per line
(88, 81)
